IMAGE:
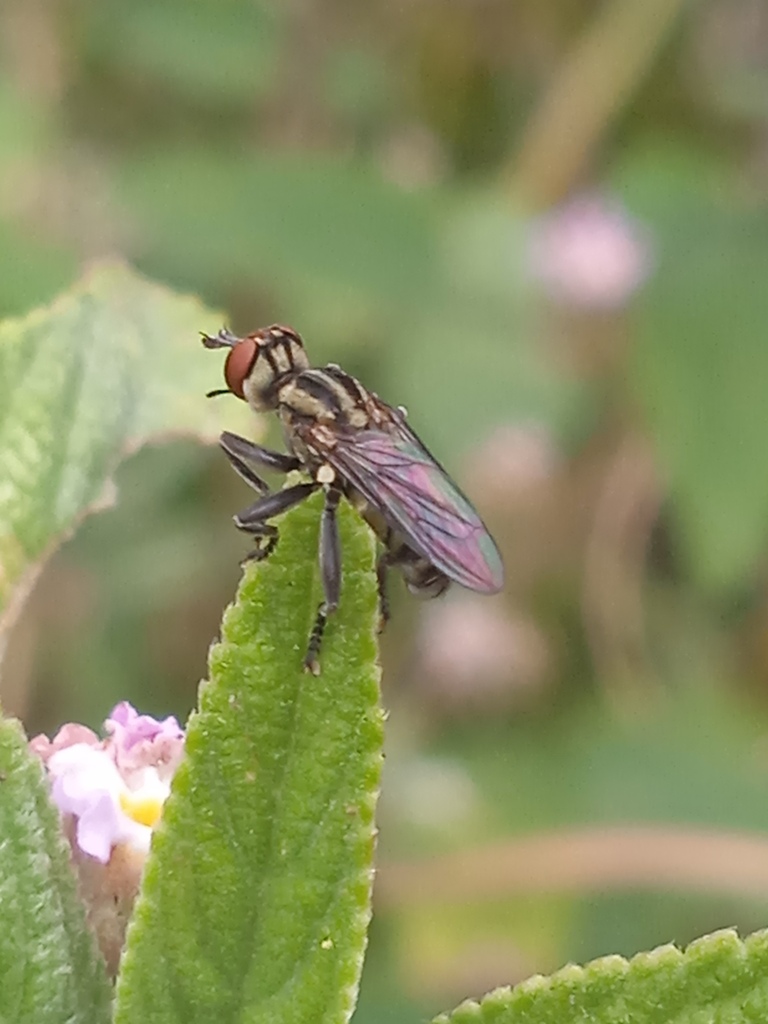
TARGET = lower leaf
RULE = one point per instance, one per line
(717, 978)
(256, 896)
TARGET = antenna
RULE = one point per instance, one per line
(224, 339)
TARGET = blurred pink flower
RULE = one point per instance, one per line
(589, 253)
(512, 459)
(475, 651)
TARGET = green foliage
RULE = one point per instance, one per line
(256, 897)
(259, 896)
(315, 221)
(717, 978)
(50, 969)
(107, 367)
(430, 276)
(700, 366)
(348, 169)
(200, 51)
(37, 268)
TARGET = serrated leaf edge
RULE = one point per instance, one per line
(574, 975)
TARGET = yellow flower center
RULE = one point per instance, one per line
(142, 807)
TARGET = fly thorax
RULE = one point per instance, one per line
(315, 395)
(296, 399)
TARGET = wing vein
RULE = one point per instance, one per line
(398, 477)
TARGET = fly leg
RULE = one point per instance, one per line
(253, 519)
(241, 453)
(248, 451)
(382, 567)
(330, 574)
(387, 559)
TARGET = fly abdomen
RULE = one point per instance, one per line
(421, 577)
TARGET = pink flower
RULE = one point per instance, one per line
(111, 794)
(589, 253)
(87, 785)
(67, 736)
(113, 789)
(140, 740)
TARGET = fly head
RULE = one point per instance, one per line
(258, 364)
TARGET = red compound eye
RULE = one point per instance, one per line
(239, 364)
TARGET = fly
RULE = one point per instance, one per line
(352, 445)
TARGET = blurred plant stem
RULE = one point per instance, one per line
(615, 563)
(627, 857)
(592, 86)
(32, 47)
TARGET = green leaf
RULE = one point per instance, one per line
(313, 221)
(51, 972)
(207, 51)
(718, 977)
(34, 268)
(700, 367)
(256, 896)
(479, 315)
(107, 367)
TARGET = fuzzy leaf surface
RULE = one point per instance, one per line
(50, 970)
(108, 366)
(256, 897)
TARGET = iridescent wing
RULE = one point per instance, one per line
(396, 475)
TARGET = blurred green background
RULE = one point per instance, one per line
(543, 227)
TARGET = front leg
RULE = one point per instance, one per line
(253, 520)
(242, 452)
(330, 575)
